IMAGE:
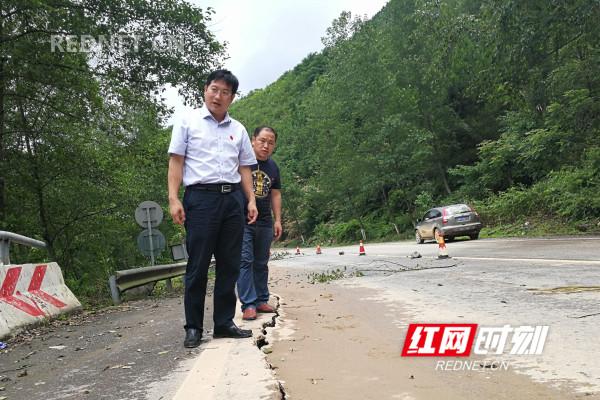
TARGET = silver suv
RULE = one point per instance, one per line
(451, 221)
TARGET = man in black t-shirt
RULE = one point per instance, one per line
(252, 284)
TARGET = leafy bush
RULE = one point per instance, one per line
(341, 232)
(569, 194)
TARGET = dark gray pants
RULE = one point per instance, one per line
(214, 224)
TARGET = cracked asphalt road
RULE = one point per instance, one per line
(491, 282)
(133, 351)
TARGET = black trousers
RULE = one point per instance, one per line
(214, 224)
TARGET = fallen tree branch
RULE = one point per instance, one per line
(415, 268)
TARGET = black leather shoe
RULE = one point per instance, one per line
(231, 331)
(193, 337)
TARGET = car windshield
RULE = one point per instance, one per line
(458, 209)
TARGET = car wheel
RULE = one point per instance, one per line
(474, 236)
(418, 238)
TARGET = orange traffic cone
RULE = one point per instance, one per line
(361, 249)
(318, 249)
(442, 250)
(297, 250)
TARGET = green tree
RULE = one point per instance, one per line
(81, 141)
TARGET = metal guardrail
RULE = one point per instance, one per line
(7, 237)
(131, 278)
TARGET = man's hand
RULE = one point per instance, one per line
(174, 177)
(277, 230)
(176, 210)
(252, 212)
(248, 188)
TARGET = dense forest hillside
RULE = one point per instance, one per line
(493, 103)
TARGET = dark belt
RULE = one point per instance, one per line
(216, 187)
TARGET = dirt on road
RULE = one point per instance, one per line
(333, 341)
(113, 353)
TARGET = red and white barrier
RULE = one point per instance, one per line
(31, 292)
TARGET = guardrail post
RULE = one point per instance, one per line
(4, 251)
(169, 285)
(115, 293)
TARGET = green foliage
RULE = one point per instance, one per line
(177, 284)
(490, 103)
(335, 233)
(81, 142)
(325, 277)
(423, 202)
(568, 194)
(332, 275)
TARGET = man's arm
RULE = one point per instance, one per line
(247, 187)
(174, 177)
(276, 204)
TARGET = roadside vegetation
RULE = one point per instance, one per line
(331, 275)
(490, 103)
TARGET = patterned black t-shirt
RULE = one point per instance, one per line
(265, 176)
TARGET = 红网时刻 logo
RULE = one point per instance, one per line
(458, 340)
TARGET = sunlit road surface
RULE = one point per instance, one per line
(493, 282)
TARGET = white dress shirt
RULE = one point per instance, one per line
(213, 150)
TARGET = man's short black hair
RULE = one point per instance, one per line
(224, 75)
(259, 129)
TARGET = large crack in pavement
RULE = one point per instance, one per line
(261, 341)
(392, 267)
(378, 266)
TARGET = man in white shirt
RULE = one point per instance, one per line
(211, 154)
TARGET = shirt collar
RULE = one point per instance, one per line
(206, 114)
